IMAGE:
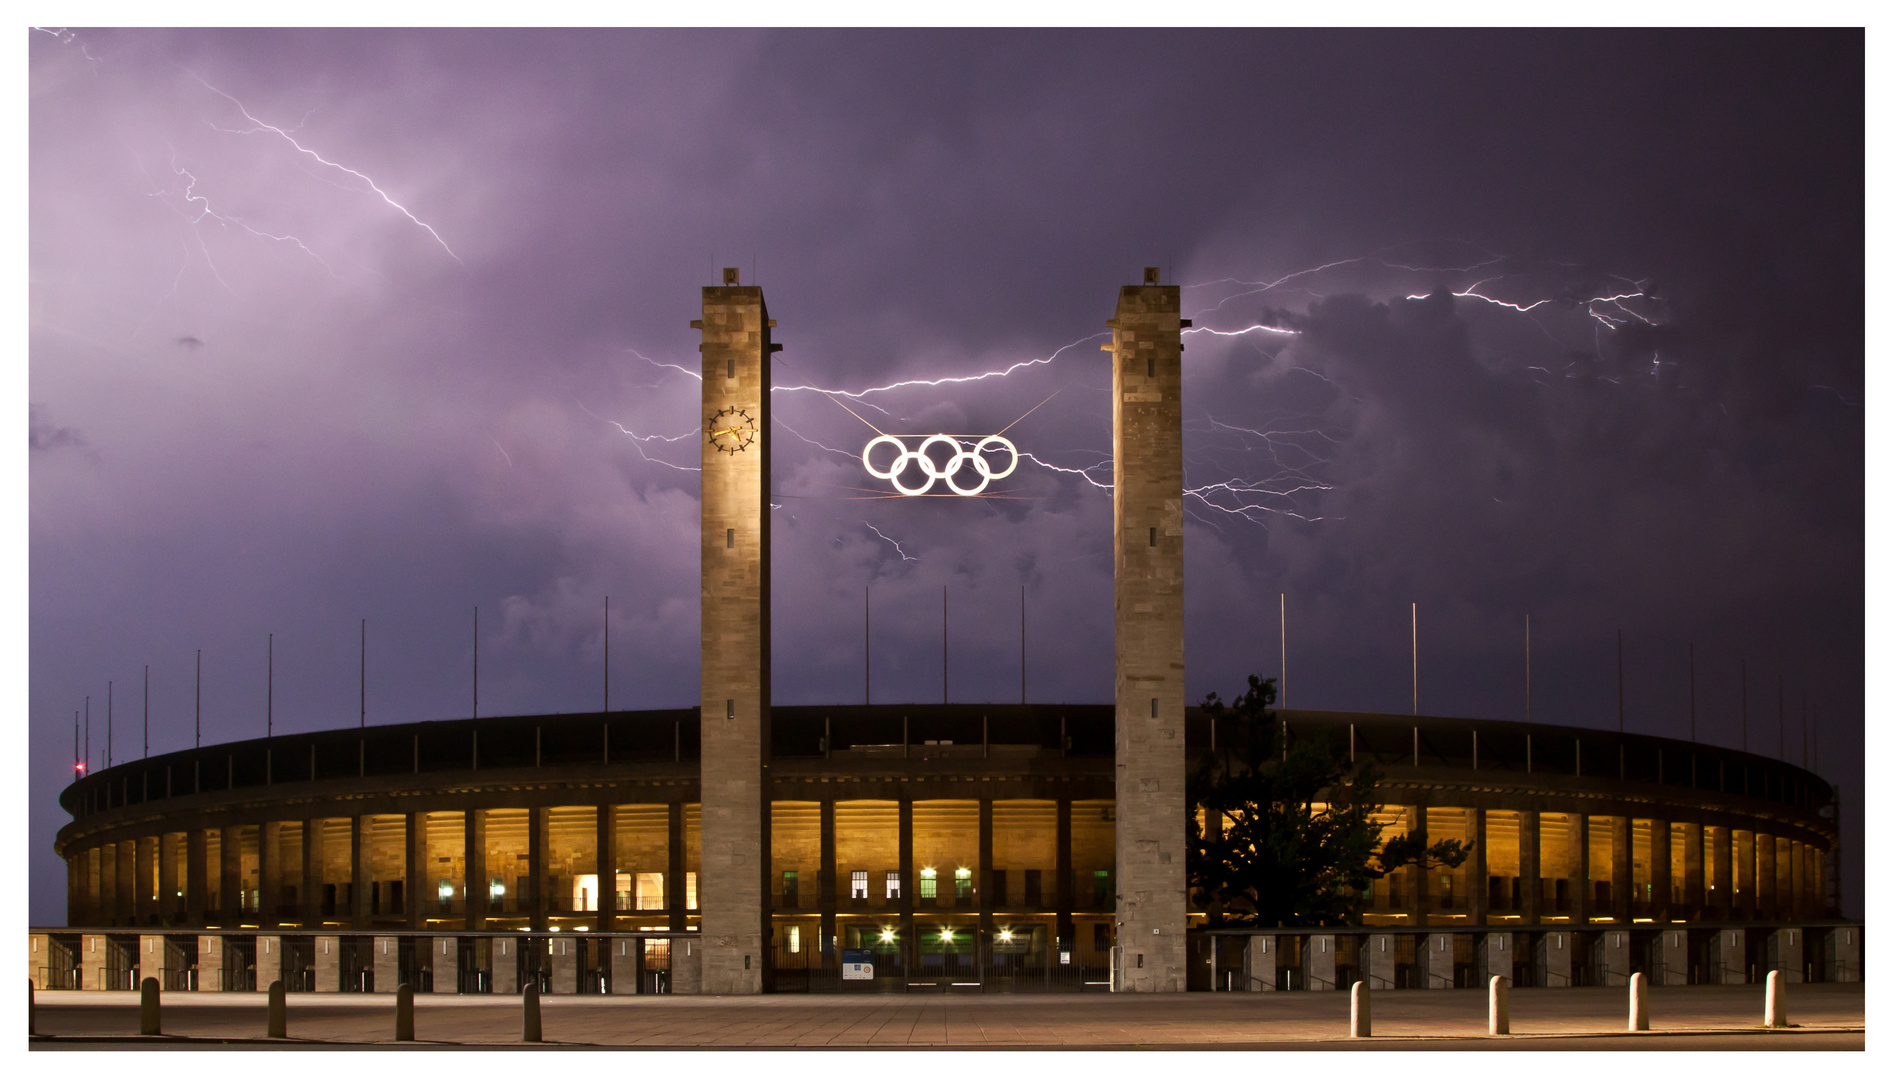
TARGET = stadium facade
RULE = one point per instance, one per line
(741, 848)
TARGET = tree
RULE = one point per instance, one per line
(1277, 859)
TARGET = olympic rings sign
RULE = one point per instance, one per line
(932, 471)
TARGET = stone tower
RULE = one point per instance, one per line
(1146, 439)
(732, 891)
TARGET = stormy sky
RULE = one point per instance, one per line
(333, 325)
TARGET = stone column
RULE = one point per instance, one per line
(1146, 436)
(1786, 947)
(1672, 958)
(1437, 963)
(736, 348)
(1421, 876)
(1261, 962)
(78, 888)
(535, 865)
(1721, 895)
(1844, 944)
(1733, 948)
(607, 869)
(414, 893)
(1529, 867)
(142, 908)
(125, 882)
(268, 882)
(91, 961)
(1497, 956)
(328, 964)
(686, 968)
(1749, 872)
(909, 946)
(1615, 970)
(1694, 867)
(210, 962)
(268, 960)
(826, 885)
(1322, 954)
(987, 901)
(1622, 867)
(1479, 887)
(1381, 962)
(230, 875)
(1064, 888)
(506, 965)
(357, 877)
(1586, 891)
(1555, 946)
(675, 898)
(313, 871)
(1661, 873)
(387, 964)
(624, 965)
(1802, 882)
(1766, 877)
(562, 958)
(196, 877)
(446, 952)
(478, 883)
(151, 958)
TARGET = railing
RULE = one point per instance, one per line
(60, 978)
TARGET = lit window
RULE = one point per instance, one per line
(858, 890)
(893, 884)
(689, 890)
(929, 884)
(962, 883)
(794, 939)
(650, 892)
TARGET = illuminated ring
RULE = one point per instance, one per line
(978, 453)
(948, 472)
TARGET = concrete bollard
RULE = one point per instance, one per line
(404, 1013)
(148, 1008)
(1638, 1002)
(1500, 1019)
(31, 1009)
(533, 1033)
(278, 1010)
(1775, 1015)
(1362, 1025)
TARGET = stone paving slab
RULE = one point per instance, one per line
(1440, 1018)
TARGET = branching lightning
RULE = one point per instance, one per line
(201, 209)
(363, 177)
(904, 557)
(637, 441)
(1280, 468)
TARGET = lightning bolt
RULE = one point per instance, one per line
(904, 557)
(363, 177)
(637, 441)
(203, 210)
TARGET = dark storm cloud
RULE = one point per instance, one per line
(460, 386)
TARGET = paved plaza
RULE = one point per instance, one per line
(1827, 1016)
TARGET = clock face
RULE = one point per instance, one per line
(731, 430)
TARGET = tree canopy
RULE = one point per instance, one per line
(1297, 843)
